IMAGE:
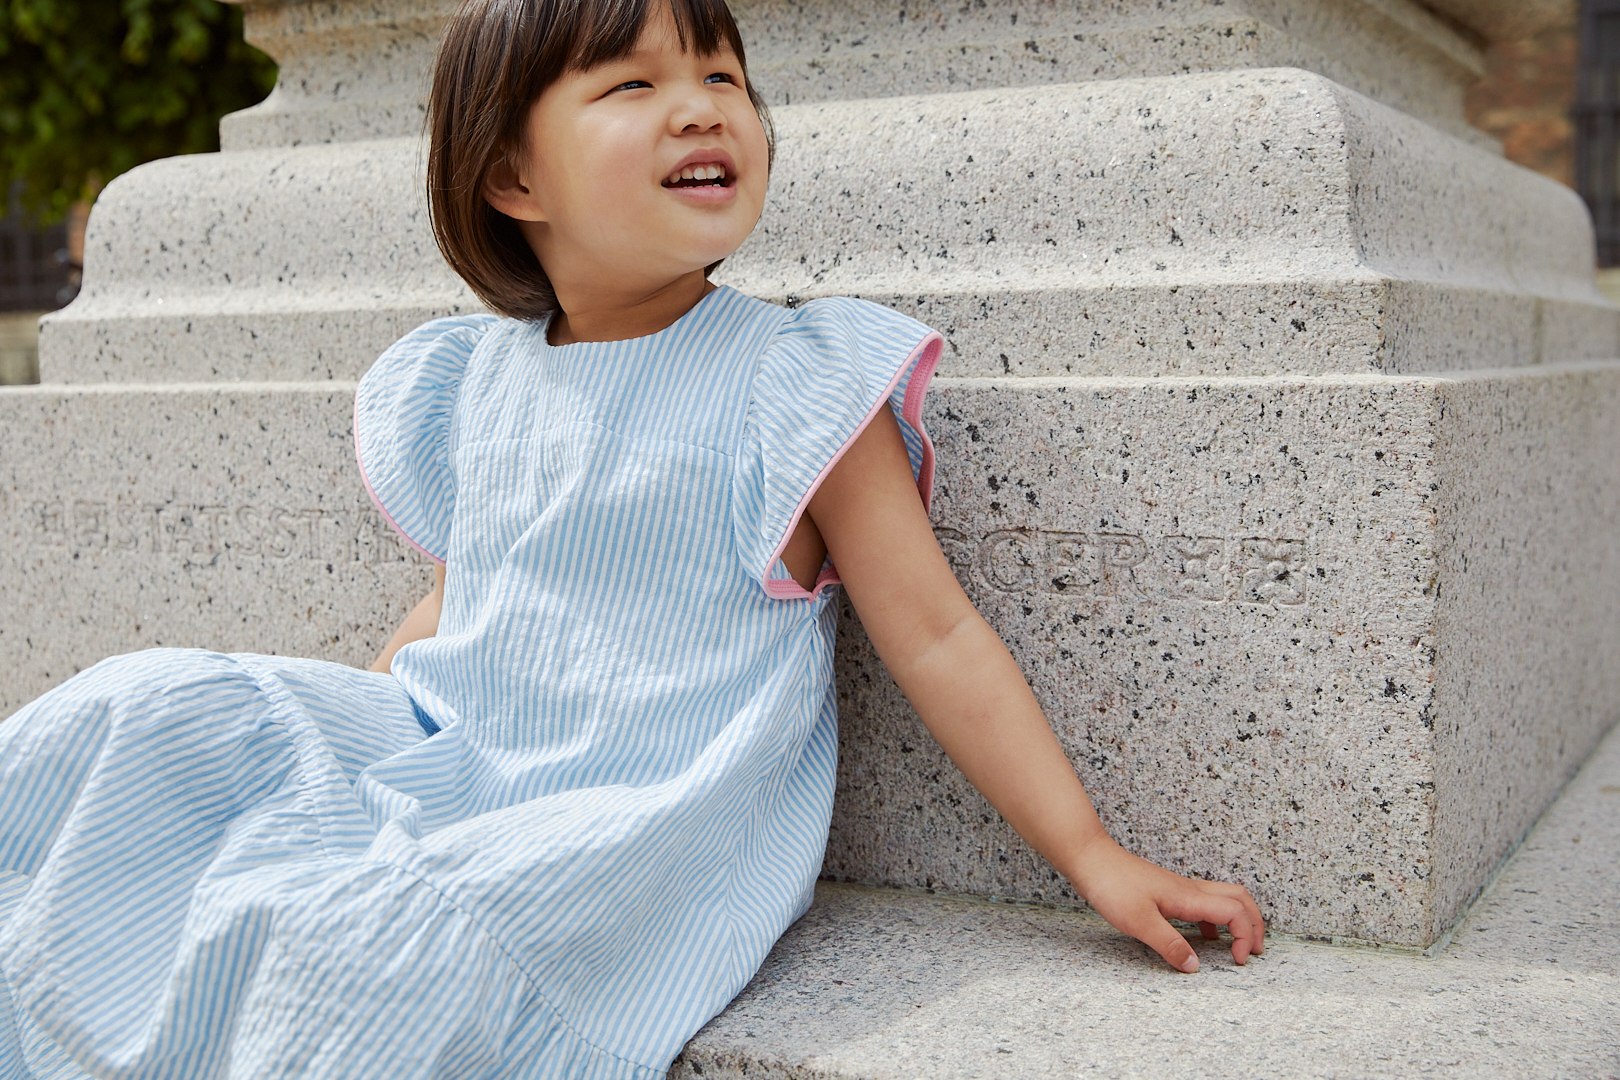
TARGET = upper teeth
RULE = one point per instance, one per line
(698, 172)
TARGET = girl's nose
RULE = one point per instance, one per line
(696, 111)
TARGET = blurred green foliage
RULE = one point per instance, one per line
(91, 88)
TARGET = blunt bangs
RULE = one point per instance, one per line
(605, 32)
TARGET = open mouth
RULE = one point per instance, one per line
(693, 176)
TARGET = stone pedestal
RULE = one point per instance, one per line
(1279, 435)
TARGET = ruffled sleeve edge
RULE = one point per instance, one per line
(921, 362)
(376, 499)
(439, 331)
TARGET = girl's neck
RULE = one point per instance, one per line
(616, 316)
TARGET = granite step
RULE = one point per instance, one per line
(881, 984)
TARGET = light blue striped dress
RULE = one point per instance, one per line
(567, 830)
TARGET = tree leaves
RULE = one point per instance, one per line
(91, 88)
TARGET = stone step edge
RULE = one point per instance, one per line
(1101, 381)
(224, 336)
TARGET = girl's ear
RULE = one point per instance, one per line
(505, 191)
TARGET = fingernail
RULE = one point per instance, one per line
(1190, 964)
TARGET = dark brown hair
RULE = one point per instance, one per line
(496, 58)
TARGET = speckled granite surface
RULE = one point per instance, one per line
(879, 984)
(229, 518)
(1391, 50)
(1228, 223)
(1332, 637)
(1337, 637)
(351, 71)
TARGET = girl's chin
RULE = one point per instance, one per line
(709, 254)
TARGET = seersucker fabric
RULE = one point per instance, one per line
(566, 830)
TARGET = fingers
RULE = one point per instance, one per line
(1240, 894)
(1157, 934)
(1139, 898)
(1207, 906)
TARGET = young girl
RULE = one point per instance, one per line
(588, 783)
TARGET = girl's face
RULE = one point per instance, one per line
(594, 194)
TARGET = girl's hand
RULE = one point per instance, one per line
(1138, 897)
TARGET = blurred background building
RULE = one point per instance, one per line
(89, 90)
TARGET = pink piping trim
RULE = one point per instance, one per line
(366, 480)
(926, 357)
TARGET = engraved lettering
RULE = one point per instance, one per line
(1089, 567)
(199, 534)
(282, 539)
(195, 533)
(380, 544)
(52, 523)
(1007, 560)
(1122, 553)
(128, 534)
(1271, 573)
(211, 519)
(337, 540)
(1197, 568)
(249, 527)
(958, 553)
(157, 528)
(1071, 564)
(311, 520)
(89, 524)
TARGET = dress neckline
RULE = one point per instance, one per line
(544, 327)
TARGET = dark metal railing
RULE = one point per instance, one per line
(1597, 123)
(36, 271)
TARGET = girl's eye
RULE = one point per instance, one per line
(632, 84)
(724, 76)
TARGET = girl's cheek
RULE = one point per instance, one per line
(750, 123)
(622, 135)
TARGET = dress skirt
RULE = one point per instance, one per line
(193, 884)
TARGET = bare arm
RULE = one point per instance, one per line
(422, 622)
(967, 688)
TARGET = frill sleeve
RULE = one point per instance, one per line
(403, 408)
(820, 380)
